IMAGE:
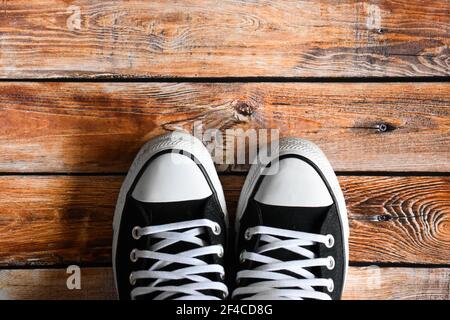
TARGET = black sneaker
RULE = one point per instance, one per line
(292, 228)
(170, 224)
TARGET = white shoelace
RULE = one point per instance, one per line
(170, 234)
(275, 284)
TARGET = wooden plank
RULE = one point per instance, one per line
(98, 127)
(363, 283)
(398, 219)
(47, 220)
(374, 283)
(54, 220)
(50, 284)
(217, 38)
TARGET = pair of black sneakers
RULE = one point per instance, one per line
(170, 226)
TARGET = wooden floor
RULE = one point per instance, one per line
(83, 84)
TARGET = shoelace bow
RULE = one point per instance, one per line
(275, 284)
(170, 234)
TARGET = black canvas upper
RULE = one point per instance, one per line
(317, 220)
(137, 213)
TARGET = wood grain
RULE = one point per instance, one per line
(50, 284)
(98, 127)
(48, 220)
(217, 38)
(402, 219)
(374, 283)
(363, 283)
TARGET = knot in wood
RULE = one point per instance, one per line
(243, 108)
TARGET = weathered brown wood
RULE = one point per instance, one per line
(54, 220)
(402, 219)
(98, 127)
(50, 284)
(374, 283)
(363, 283)
(216, 38)
(46, 220)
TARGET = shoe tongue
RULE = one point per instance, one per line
(304, 219)
(164, 213)
(171, 212)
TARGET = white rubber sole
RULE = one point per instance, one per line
(175, 140)
(313, 153)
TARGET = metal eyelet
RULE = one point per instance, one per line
(133, 256)
(331, 263)
(132, 279)
(330, 241)
(247, 235)
(241, 256)
(221, 252)
(217, 230)
(135, 234)
(330, 287)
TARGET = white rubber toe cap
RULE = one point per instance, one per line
(296, 184)
(171, 177)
